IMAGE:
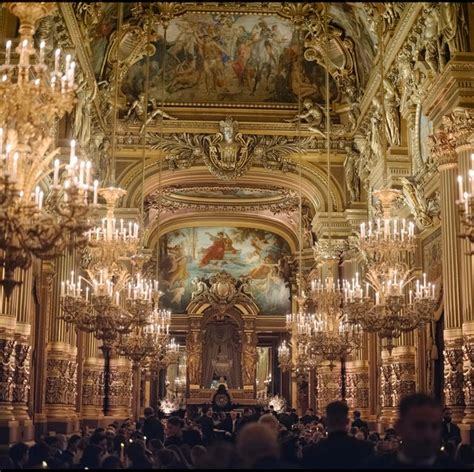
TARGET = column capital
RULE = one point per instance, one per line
(443, 148)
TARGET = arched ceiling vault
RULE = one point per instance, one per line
(313, 183)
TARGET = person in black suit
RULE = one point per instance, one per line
(152, 427)
(230, 424)
(294, 416)
(285, 419)
(338, 450)
(174, 431)
(358, 423)
(451, 431)
(308, 417)
(419, 428)
(207, 425)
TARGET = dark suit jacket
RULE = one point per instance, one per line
(454, 434)
(153, 429)
(226, 425)
(207, 427)
(358, 423)
(337, 451)
(286, 421)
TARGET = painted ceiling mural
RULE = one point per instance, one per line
(190, 253)
(244, 58)
(223, 56)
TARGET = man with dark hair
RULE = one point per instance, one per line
(419, 428)
(308, 417)
(338, 450)
(294, 416)
(285, 419)
(358, 422)
(19, 455)
(152, 427)
(207, 425)
(451, 431)
(174, 434)
(245, 419)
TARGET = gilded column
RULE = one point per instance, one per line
(357, 367)
(24, 313)
(403, 369)
(44, 290)
(61, 365)
(387, 406)
(121, 386)
(92, 383)
(9, 427)
(328, 384)
(444, 152)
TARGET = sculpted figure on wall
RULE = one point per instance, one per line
(312, 114)
(194, 360)
(249, 363)
(83, 111)
(138, 109)
(453, 27)
(392, 102)
(376, 129)
(430, 38)
(351, 174)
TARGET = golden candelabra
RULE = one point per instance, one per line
(465, 205)
(392, 302)
(40, 214)
(148, 340)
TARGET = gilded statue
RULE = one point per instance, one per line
(138, 108)
(431, 36)
(351, 174)
(249, 363)
(426, 211)
(312, 114)
(363, 145)
(83, 111)
(453, 27)
(392, 102)
(376, 129)
(194, 361)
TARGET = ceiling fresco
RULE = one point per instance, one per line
(216, 53)
(243, 58)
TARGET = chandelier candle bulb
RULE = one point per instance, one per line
(8, 53)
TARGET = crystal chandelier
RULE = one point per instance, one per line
(332, 337)
(392, 302)
(40, 214)
(466, 206)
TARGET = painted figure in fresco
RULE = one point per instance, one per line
(220, 244)
(178, 293)
(211, 53)
(186, 75)
(263, 269)
(178, 265)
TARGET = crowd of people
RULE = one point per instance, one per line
(424, 437)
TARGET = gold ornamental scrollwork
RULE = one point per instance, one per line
(228, 154)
